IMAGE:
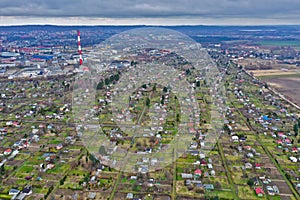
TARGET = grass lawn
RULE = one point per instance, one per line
(274, 197)
(53, 141)
(5, 196)
(159, 175)
(186, 160)
(279, 43)
(22, 156)
(237, 176)
(245, 192)
(222, 194)
(75, 147)
(79, 172)
(26, 169)
(8, 167)
(38, 190)
(22, 182)
(59, 168)
(71, 185)
(223, 180)
(233, 158)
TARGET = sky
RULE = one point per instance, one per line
(154, 12)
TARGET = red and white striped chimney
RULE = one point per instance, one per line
(79, 48)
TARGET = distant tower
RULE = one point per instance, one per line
(79, 48)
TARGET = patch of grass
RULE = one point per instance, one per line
(279, 43)
(222, 194)
(26, 169)
(5, 196)
(38, 190)
(59, 169)
(54, 141)
(245, 192)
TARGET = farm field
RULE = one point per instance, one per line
(287, 85)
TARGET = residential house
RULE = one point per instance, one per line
(7, 152)
(209, 187)
(13, 192)
(257, 166)
(197, 173)
(129, 196)
(186, 176)
(259, 191)
(248, 165)
(91, 195)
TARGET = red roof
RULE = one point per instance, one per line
(259, 191)
(287, 140)
(203, 162)
(15, 123)
(198, 172)
(294, 149)
(8, 151)
(248, 147)
(279, 141)
(280, 133)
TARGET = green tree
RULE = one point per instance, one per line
(165, 89)
(248, 120)
(154, 87)
(111, 78)
(2, 170)
(162, 99)
(116, 77)
(61, 182)
(132, 63)
(102, 151)
(144, 86)
(177, 117)
(148, 102)
(100, 85)
(107, 81)
(188, 72)
(93, 158)
(296, 129)
(250, 182)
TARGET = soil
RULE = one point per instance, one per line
(288, 86)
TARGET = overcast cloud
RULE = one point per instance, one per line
(283, 11)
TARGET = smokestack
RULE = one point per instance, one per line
(79, 48)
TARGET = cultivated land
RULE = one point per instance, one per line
(284, 78)
(287, 85)
(274, 72)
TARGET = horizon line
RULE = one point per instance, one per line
(95, 25)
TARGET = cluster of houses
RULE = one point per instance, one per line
(20, 195)
(204, 169)
(259, 182)
(17, 116)
(271, 124)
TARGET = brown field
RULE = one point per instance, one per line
(274, 72)
(289, 86)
